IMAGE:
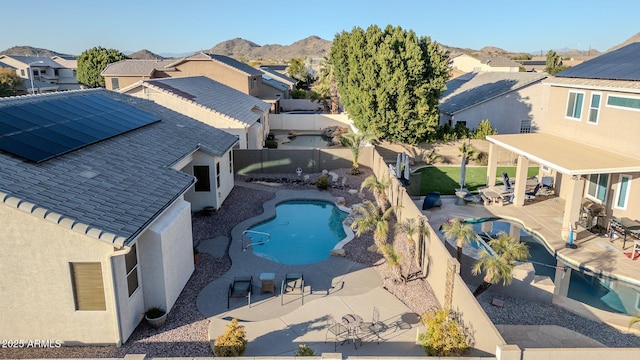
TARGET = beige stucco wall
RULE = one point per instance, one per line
(37, 300)
(506, 112)
(468, 63)
(123, 81)
(304, 122)
(217, 195)
(165, 254)
(220, 73)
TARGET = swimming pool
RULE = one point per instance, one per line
(302, 232)
(602, 293)
(308, 140)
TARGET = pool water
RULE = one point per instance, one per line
(302, 232)
(309, 141)
(601, 293)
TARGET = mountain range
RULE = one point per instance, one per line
(310, 47)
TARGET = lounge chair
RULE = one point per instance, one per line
(432, 200)
(292, 284)
(530, 195)
(241, 287)
(507, 182)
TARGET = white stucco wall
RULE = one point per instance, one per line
(165, 254)
(217, 195)
(36, 296)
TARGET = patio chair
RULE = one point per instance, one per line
(507, 182)
(337, 331)
(292, 284)
(375, 327)
(432, 200)
(241, 287)
(530, 195)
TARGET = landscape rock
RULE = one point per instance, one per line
(338, 252)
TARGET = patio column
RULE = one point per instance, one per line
(573, 202)
(520, 187)
(492, 166)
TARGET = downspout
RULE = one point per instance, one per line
(110, 257)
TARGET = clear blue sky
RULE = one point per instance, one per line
(161, 26)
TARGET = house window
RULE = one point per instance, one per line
(21, 72)
(545, 168)
(131, 263)
(574, 105)
(594, 109)
(87, 286)
(56, 72)
(622, 194)
(115, 84)
(623, 102)
(230, 162)
(218, 175)
(598, 184)
(202, 174)
(525, 126)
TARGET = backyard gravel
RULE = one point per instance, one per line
(185, 333)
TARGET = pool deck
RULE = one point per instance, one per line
(594, 252)
(276, 324)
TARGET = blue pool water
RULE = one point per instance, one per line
(302, 232)
(591, 290)
(308, 140)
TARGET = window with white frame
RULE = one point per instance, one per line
(525, 126)
(201, 172)
(131, 264)
(218, 175)
(623, 102)
(230, 161)
(115, 84)
(597, 187)
(622, 193)
(574, 105)
(594, 108)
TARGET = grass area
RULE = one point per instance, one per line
(445, 178)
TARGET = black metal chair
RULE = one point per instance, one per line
(337, 331)
(292, 284)
(242, 287)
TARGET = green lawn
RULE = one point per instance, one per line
(445, 178)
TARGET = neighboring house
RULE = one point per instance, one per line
(468, 63)
(510, 101)
(533, 65)
(42, 70)
(67, 79)
(96, 195)
(123, 73)
(212, 103)
(220, 68)
(588, 141)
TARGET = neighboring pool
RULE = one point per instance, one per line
(601, 293)
(308, 140)
(302, 232)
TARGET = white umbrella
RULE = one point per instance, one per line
(398, 164)
(406, 167)
(463, 171)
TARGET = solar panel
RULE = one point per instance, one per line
(620, 64)
(42, 130)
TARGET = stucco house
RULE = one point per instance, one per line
(48, 74)
(510, 101)
(588, 139)
(211, 102)
(97, 190)
(124, 73)
(468, 63)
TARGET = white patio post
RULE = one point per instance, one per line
(520, 187)
(492, 166)
(573, 202)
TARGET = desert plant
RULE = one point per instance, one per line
(271, 144)
(460, 231)
(372, 219)
(432, 157)
(394, 260)
(411, 227)
(378, 188)
(304, 350)
(445, 334)
(635, 319)
(323, 182)
(354, 141)
(484, 129)
(233, 342)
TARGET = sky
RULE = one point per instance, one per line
(179, 27)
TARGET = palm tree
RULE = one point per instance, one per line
(377, 188)
(468, 152)
(355, 141)
(372, 219)
(325, 88)
(459, 231)
(410, 227)
(498, 265)
(394, 260)
(634, 319)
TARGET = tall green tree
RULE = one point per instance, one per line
(91, 63)
(499, 264)
(325, 88)
(298, 70)
(390, 81)
(554, 63)
(9, 82)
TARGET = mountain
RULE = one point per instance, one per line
(31, 51)
(144, 54)
(311, 47)
(632, 39)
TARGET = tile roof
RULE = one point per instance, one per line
(32, 59)
(245, 68)
(212, 95)
(474, 88)
(113, 189)
(620, 64)
(498, 61)
(274, 83)
(595, 84)
(278, 76)
(135, 67)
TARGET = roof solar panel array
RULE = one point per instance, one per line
(620, 64)
(46, 129)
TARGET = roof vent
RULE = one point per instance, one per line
(89, 174)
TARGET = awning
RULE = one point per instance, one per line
(566, 156)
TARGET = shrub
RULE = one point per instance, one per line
(233, 342)
(433, 157)
(304, 350)
(298, 94)
(484, 129)
(271, 144)
(445, 335)
(323, 182)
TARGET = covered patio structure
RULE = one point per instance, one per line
(570, 163)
